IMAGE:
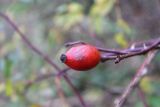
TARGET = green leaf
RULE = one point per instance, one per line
(9, 87)
(68, 20)
(102, 7)
(75, 8)
(154, 101)
(146, 85)
(73, 15)
(124, 26)
(120, 39)
(19, 7)
(98, 24)
(8, 67)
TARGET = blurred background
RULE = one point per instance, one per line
(49, 24)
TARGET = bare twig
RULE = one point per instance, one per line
(142, 96)
(138, 76)
(69, 44)
(45, 57)
(40, 78)
(60, 91)
(118, 55)
(133, 51)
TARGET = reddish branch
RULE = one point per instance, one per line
(44, 77)
(133, 51)
(142, 96)
(138, 76)
(45, 57)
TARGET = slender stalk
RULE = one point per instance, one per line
(138, 76)
(142, 96)
(130, 52)
(60, 92)
(45, 57)
(39, 78)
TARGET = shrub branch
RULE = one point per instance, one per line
(45, 57)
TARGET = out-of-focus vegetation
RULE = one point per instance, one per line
(48, 24)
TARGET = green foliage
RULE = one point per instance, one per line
(69, 18)
(154, 101)
(8, 67)
(102, 7)
(7, 75)
(123, 25)
(18, 8)
(120, 39)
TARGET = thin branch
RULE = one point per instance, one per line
(40, 78)
(60, 91)
(118, 55)
(70, 44)
(138, 76)
(132, 51)
(142, 96)
(45, 57)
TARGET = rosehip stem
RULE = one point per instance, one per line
(132, 51)
(111, 51)
(117, 55)
(74, 43)
(100, 49)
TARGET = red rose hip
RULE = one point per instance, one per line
(81, 57)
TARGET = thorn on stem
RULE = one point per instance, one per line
(118, 59)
